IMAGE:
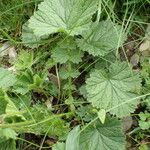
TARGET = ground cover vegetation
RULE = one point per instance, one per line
(74, 74)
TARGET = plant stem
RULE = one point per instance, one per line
(69, 80)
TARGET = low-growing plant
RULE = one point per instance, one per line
(69, 82)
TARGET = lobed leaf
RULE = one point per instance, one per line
(98, 136)
(71, 16)
(107, 136)
(108, 89)
(7, 78)
(101, 38)
(67, 50)
(72, 142)
(28, 37)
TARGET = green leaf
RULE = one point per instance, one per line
(106, 61)
(101, 38)
(97, 136)
(24, 79)
(72, 142)
(144, 147)
(24, 60)
(58, 146)
(102, 115)
(113, 88)
(147, 102)
(7, 134)
(71, 16)
(28, 37)
(144, 121)
(67, 51)
(55, 126)
(86, 113)
(7, 139)
(37, 82)
(65, 74)
(11, 109)
(7, 78)
(100, 136)
(22, 102)
(3, 103)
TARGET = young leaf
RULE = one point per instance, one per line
(144, 121)
(7, 139)
(65, 74)
(101, 38)
(58, 146)
(102, 115)
(24, 60)
(7, 78)
(109, 89)
(71, 16)
(7, 134)
(107, 136)
(86, 113)
(24, 79)
(67, 51)
(11, 109)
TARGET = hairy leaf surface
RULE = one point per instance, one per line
(7, 134)
(28, 37)
(101, 38)
(46, 122)
(7, 78)
(58, 146)
(72, 142)
(24, 60)
(109, 89)
(71, 16)
(67, 51)
(98, 136)
(7, 139)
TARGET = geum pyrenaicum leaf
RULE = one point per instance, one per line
(101, 38)
(24, 60)
(107, 136)
(7, 139)
(97, 136)
(67, 50)
(111, 90)
(7, 78)
(71, 16)
(72, 142)
(59, 146)
(7, 133)
(102, 115)
(28, 37)
(65, 74)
